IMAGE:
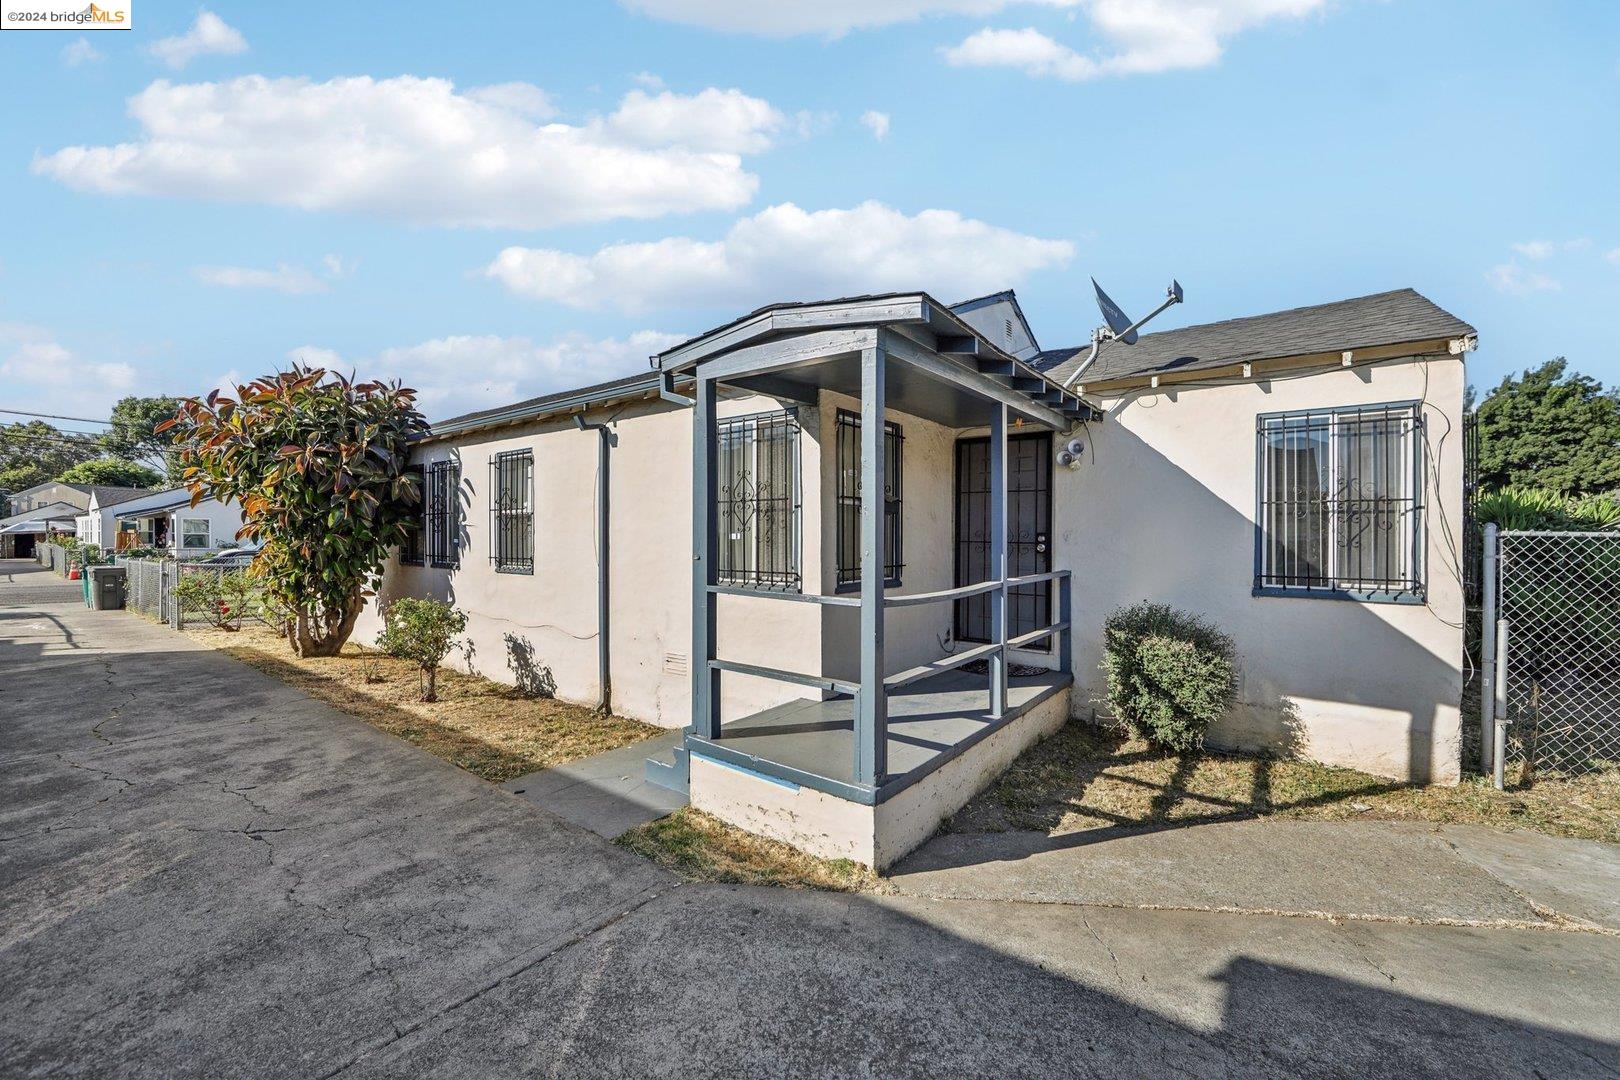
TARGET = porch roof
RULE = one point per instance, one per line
(950, 372)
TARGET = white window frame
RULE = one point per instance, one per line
(185, 536)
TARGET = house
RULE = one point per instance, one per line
(51, 507)
(167, 520)
(21, 533)
(851, 670)
(98, 525)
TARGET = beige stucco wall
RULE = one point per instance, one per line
(1163, 509)
(555, 608)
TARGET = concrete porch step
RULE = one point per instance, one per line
(669, 770)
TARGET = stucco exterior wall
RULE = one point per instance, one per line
(554, 610)
(1163, 509)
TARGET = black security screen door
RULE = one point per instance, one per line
(1029, 526)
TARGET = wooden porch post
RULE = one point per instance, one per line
(998, 558)
(871, 705)
(705, 679)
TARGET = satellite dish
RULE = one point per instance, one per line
(1114, 315)
(1120, 326)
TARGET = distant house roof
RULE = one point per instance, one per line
(181, 497)
(50, 512)
(112, 496)
(1387, 318)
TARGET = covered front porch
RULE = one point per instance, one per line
(867, 757)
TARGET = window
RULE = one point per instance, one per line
(848, 448)
(511, 512)
(757, 501)
(444, 514)
(410, 552)
(194, 533)
(1341, 504)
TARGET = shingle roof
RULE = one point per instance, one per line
(56, 511)
(629, 382)
(1387, 318)
(112, 496)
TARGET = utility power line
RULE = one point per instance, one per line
(53, 416)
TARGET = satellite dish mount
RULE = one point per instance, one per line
(1120, 327)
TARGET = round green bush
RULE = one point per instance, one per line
(1170, 674)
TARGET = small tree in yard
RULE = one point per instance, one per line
(318, 464)
(1170, 674)
(424, 632)
(222, 599)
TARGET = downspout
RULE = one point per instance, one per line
(604, 665)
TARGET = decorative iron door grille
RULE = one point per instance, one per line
(1029, 525)
(511, 512)
(1340, 503)
(848, 495)
(757, 504)
(1559, 593)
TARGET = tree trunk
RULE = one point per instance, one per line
(432, 684)
(324, 635)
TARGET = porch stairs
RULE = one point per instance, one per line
(670, 769)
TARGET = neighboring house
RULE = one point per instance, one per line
(166, 520)
(98, 524)
(21, 533)
(55, 491)
(1295, 477)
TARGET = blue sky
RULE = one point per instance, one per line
(538, 196)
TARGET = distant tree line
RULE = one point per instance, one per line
(128, 454)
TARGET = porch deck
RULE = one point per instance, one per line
(812, 742)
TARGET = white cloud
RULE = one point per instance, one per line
(648, 79)
(1613, 256)
(80, 51)
(43, 375)
(877, 123)
(783, 18)
(336, 266)
(1512, 278)
(1536, 249)
(464, 372)
(293, 280)
(724, 121)
(210, 35)
(418, 150)
(1143, 37)
(785, 253)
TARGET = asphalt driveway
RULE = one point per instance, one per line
(205, 873)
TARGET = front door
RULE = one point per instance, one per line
(1029, 526)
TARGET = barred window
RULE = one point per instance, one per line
(511, 512)
(1341, 503)
(444, 514)
(848, 449)
(758, 501)
(410, 552)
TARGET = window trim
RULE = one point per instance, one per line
(503, 562)
(450, 557)
(1418, 594)
(207, 534)
(848, 422)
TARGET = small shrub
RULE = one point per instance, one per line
(424, 632)
(1170, 674)
(1537, 508)
(222, 599)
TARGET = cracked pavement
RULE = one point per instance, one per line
(205, 873)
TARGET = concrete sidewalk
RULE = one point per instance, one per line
(1444, 874)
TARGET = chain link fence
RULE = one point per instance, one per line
(146, 587)
(201, 606)
(1559, 594)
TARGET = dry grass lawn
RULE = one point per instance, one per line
(1085, 777)
(702, 848)
(484, 727)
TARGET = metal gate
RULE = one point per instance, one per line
(1029, 524)
(1552, 653)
